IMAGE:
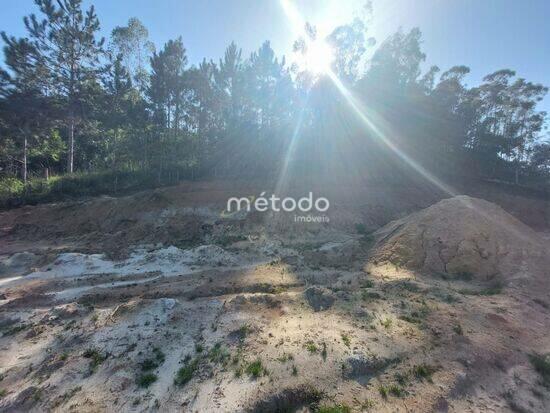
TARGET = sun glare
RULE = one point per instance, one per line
(318, 57)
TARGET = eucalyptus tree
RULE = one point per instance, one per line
(132, 43)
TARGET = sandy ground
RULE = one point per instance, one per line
(195, 313)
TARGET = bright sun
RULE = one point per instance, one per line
(318, 57)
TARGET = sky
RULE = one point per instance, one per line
(485, 35)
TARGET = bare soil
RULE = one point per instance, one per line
(156, 302)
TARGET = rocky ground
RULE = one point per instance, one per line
(155, 302)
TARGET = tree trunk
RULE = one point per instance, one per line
(25, 159)
(70, 159)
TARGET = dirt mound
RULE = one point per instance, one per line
(461, 236)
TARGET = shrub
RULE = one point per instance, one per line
(145, 380)
(255, 368)
(186, 373)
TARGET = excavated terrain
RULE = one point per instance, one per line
(157, 302)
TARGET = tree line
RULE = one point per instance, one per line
(71, 101)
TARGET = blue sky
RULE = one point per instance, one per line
(485, 35)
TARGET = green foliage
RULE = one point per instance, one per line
(424, 372)
(346, 340)
(96, 358)
(541, 363)
(186, 373)
(219, 354)
(156, 361)
(145, 380)
(150, 127)
(396, 390)
(311, 347)
(255, 369)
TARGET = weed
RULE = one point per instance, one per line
(149, 364)
(324, 352)
(402, 378)
(346, 340)
(337, 408)
(242, 332)
(255, 369)
(199, 348)
(541, 363)
(185, 373)
(285, 357)
(96, 358)
(159, 355)
(311, 347)
(424, 371)
(396, 390)
(3, 393)
(458, 329)
(294, 370)
(218, 354)
(145, 380)
(387, 322)
(383, 390)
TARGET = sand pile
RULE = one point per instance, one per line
(461, 236)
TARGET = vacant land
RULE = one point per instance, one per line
(156, 302)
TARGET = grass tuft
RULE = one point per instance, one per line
(145, 380)
(255, 369)
(185, 373)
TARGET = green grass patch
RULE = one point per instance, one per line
(145, 380)
(424, 372)
(186, 373)
(255, 369)
(96, 358)
(386, 322)
(346, 340)
(311, 347)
